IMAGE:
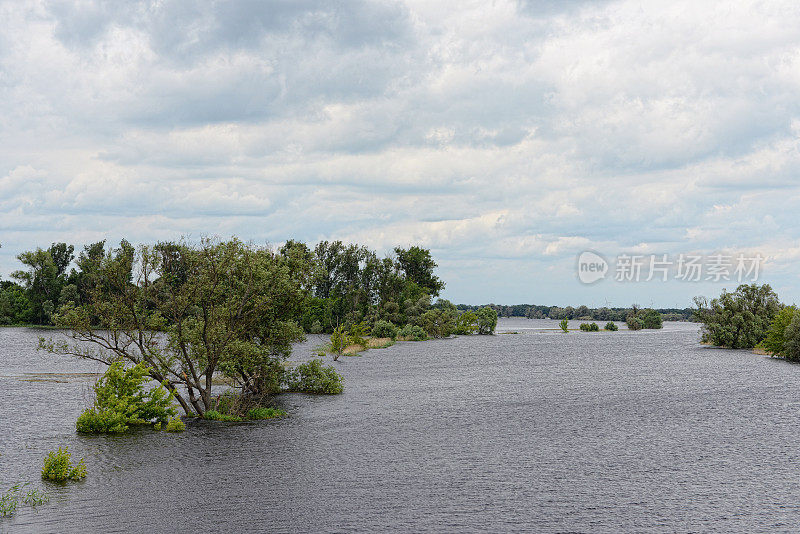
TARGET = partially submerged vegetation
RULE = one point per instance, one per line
(740, 319)
(121, 400)
(58, 467)
(11, 499)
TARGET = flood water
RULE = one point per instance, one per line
(535, 431)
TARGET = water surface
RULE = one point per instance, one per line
(536, 431)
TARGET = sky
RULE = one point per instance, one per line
(506, 136)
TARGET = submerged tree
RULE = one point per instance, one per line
(188, 312)
(738, 320)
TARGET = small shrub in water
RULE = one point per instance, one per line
(214, 415)
(612, 327)
(313, 377)
(384, 329)
(175, 425)
(413, 333)
(58, 466)
(121, 400)
(564, 324)
(589, 327)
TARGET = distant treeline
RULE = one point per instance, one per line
(534, 311)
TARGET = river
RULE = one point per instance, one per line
(533, 431)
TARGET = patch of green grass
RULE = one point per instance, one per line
(214, 415)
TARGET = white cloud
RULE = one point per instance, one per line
(504, 133)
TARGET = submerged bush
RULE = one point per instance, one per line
(487, 321)
(652, 320)
(58, 466)
(587, 327)
(384, 329)
(612, 327)
(121, 400)
(175, 425)
(564, 324)
(214, 415)
(634, 323)
(413, 333)
(313, 377)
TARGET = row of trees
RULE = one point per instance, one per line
(189, 312)
(583, 313)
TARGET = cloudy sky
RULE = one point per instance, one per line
(506, 136)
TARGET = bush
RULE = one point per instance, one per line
(634, 323)
(58, 466)
(652, 320)
(121, 400)
(175, 425)
(413, 333)
(313, 377)
(587, 327)
(357, 335)
(214, 415)
(612, 327)
(487, 321)
(384, 329)
(564, 324)
(316, 327)
(466, 324)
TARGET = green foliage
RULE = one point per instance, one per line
(634, 322)
(122, 400)
(214, 415)
(775, 341)
(612, 327)
(357, 334)
(418, 266)
(316, 328)
(9, 500)
(738, 320)
(58, 467)
(189, 311)
(384, 329)
(15, 307)
(413, 333)
(175, 425)
(314, 377)
(564, 324)
(339, 341)
(487, 321)
(587, 327)
(651, 319)
(437, 322)
(466, 324)
(792, 334)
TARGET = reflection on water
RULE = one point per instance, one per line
(608, 432)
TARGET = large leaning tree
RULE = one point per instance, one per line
(189, 312)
